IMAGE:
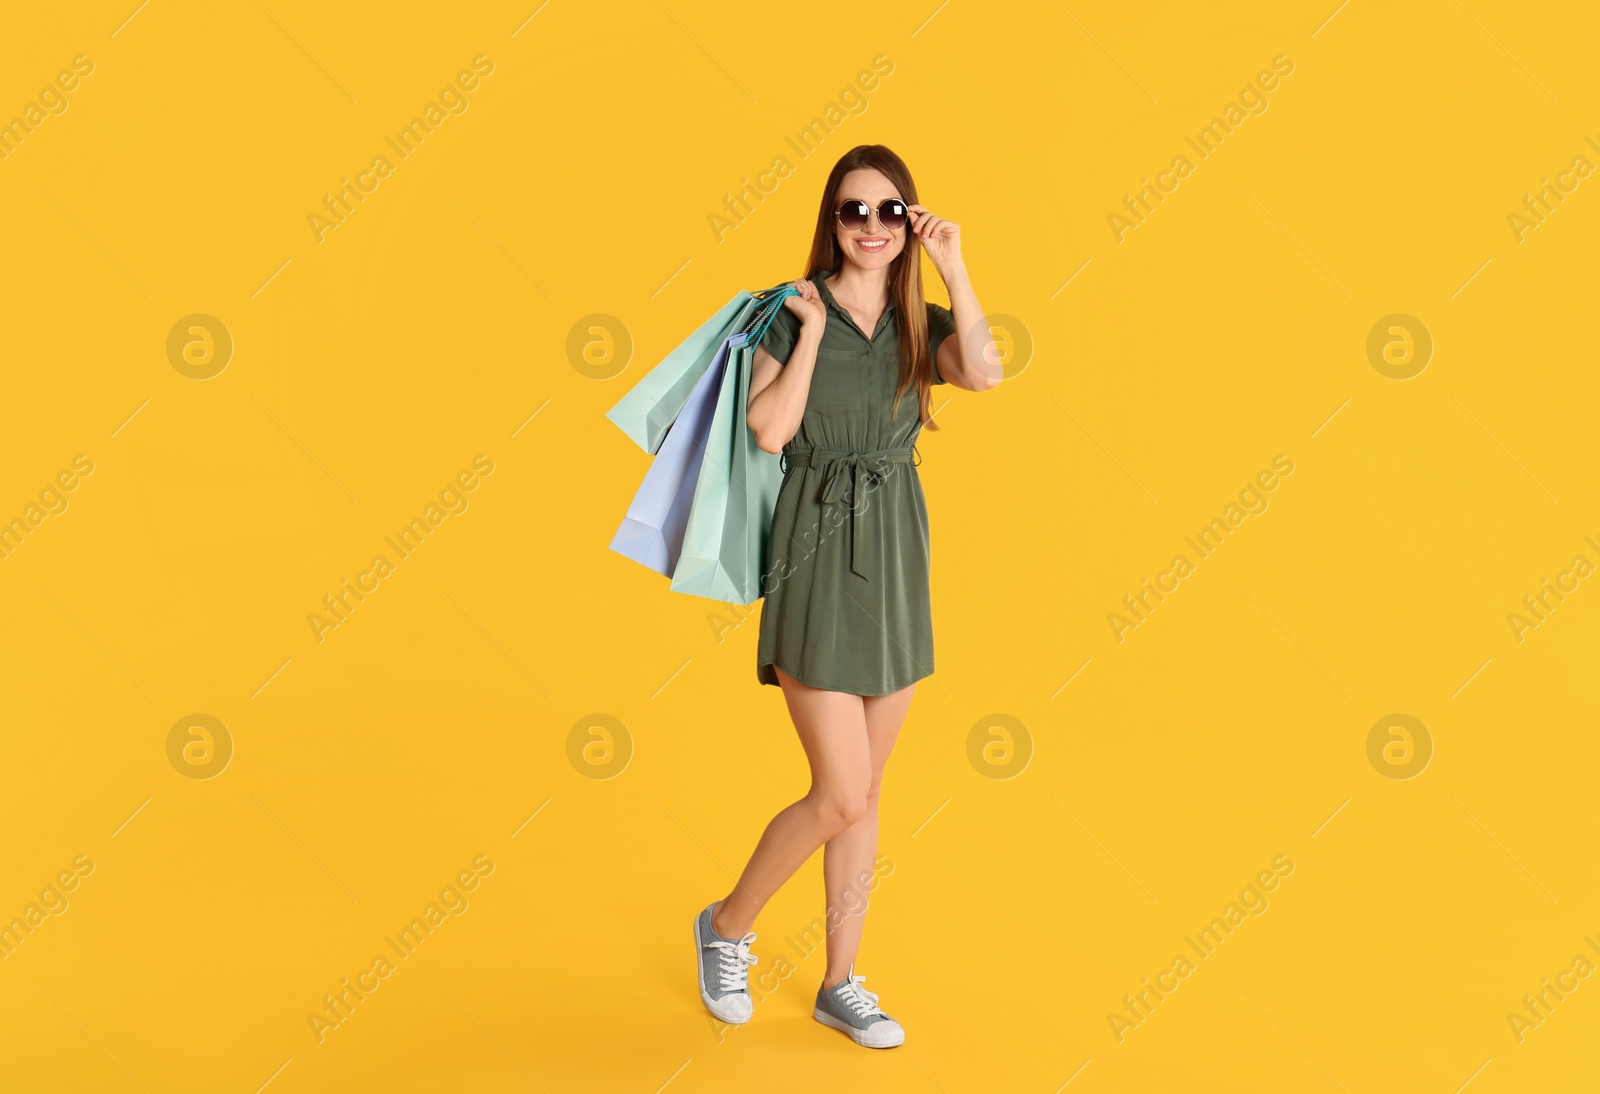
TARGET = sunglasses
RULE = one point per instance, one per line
(854, 214)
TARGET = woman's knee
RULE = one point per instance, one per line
(841, 807)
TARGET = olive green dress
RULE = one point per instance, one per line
(845, 584)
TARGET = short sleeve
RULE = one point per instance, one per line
(781, 335)
(941, 324)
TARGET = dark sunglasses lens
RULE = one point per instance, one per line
(892, 215)
(853, 215)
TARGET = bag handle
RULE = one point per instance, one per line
(771, 301)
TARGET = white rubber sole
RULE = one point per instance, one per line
(886, 1039)
(719, 1010)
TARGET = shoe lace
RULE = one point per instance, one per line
(861, 1001)
(734, 962)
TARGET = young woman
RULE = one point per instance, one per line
(846, 629)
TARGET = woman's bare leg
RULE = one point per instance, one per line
(833, 731)
(851, 856)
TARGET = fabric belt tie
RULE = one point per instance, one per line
(848, 471)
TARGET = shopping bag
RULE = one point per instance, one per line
(649, 408)
(730, 519)
(652, 531)
(757, 475)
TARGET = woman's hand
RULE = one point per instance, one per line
(808, 305)
(941, 238)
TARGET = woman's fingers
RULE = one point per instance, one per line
(924, 223)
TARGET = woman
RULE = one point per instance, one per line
(846, 629)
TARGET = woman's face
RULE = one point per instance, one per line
(871, 247)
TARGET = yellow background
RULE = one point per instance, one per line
(371, 367)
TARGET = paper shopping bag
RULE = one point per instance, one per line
(757, 475)
(652, 531)
(730, 519)
(649, 408)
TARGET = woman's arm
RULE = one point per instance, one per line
(778, 391)
(969, 360)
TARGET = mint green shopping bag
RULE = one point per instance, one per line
(653, 404)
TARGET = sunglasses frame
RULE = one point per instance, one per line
(871, 212)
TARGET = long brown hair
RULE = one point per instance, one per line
(905, 274)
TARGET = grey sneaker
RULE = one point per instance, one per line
(724, 965)
(854, 1010)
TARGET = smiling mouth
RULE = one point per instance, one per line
(872, 246)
